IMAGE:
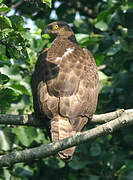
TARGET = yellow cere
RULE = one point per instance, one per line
(56, 26)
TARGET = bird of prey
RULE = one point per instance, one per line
(64, 85)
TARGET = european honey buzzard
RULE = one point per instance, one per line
(64, 85)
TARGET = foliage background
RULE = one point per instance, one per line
(106, 28)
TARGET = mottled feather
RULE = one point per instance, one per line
(65, 86)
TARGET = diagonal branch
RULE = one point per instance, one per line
(43, 151)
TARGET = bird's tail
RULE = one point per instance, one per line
(61, 129)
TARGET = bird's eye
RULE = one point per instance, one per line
(56, 26)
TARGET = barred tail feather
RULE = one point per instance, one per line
(61, 129)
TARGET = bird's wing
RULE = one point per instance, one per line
(68, 87)
(83, 102)
(70, 70)
(92, 83)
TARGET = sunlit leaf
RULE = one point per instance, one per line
(85, 39)
(114, 49)
(6, 138)
(47, 2)
(4, 8)
(103, 79)
(81, 38)
(3, 141)
(101, 25)
(46, 36)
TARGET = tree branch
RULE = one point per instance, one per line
(25, 120)
(29, 120)
(102, 118)
(43, 151)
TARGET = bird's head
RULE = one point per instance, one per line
(58, 28)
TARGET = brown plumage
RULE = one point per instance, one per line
(64, 85)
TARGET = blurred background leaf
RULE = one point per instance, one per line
(47, 2)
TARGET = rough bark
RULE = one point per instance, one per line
(117, 120)
(29, 120)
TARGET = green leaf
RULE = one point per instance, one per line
(95, 149)
(46, 36)
(101, 25)
(129, 164)
(6, 138)
(5, 62)
(76, 164)
(54, 162)
(85, 39)
(5, 22)
(3, 79)
(130, 3)
(126, 171)
(4, 144)
(6, 173)
(101, 16)
(26, 135)
(130, 33)
(4, 8)
(124, 45)
(81, 38)
(1, 1)
(93, 177)
(103, 79)
(7, 96)
(47, 2)
(128, 139)
(14, 53)
(99, 59)
(17, 22)
(20, 88)
(23, 172)
(113, 50)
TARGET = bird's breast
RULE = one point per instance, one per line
(64, 71)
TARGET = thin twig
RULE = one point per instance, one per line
(102, 67)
